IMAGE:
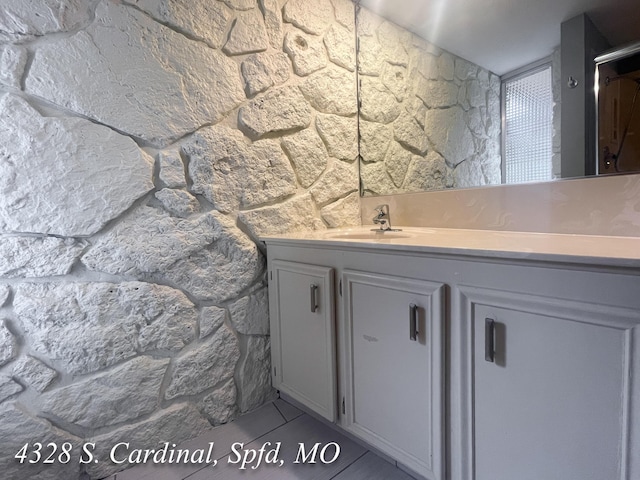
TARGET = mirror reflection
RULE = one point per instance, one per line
(433, 119)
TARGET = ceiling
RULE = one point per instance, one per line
(503, 35)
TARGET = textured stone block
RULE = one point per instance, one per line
(331, 90)
(370, 58)
(178, 202)
(448, 131)
(344, 212)
(340, 135)
(254, 374)
(307, 53)
(397, 161)
(340, 43)
(250, 314)
(273, 22)
(24, 20)
(8, 387)
(345, 13)
(171, 169)
(313, 17)
(164, 87)
(278, 110)
(378, 103)
(201, 368)
(376, 180)
(67, 176)
(241, 4)
(394, 78)
(120, 395)
(34, 373)
(248, 34)
(22, 257)
(427, 173)
(8, 346)
(374, 141)
(308, 155)
(201, 19)
(116, 320)
(293, 215)
(211, 318)
(233, 173)
(407, 131)
(264, 70)
(436, 93)
(174, 424)
(4, 294)
(340, 180)
(13, 59)
(220, 405)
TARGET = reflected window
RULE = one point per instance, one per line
(528, 126)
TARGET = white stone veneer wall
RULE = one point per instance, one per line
(429, 120)
(144, 146)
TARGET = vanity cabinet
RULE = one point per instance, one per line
(549, 386)
(466, 367)
(302, 316)
(393, 373)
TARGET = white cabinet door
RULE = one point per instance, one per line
(551, 384)
(393, 367)
(302, 313)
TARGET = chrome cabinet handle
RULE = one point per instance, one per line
(313, 290)
(489, 340)
(413, 322)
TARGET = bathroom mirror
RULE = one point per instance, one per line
(431, 105)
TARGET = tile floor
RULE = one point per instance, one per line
(277, 421)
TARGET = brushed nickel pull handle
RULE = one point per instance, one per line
(489, 340)
(413, 322)
(313, 290)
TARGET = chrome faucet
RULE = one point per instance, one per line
(382, 218)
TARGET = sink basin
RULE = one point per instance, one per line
(369, 235)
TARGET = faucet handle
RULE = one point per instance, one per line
(382, 210)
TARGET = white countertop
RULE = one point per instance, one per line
(582, 249)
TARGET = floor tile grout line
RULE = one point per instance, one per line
(347, 466)
(250, 441)
(281, 414)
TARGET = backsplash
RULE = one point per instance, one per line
(589, 206)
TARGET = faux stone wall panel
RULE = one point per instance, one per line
(28, 19)
(34, 373)
(19, 427)
(147, 93)
(8, 346)
(378, 104)
(263, 70)
(110, 316)
(397, 161)
(211, 318)
(174, 424)
(331, 90)
(345, 13)
(342, 213)
(312, 20)
(178, 202)
(407, 131)
(394, 78)
(13, 59)
(439, 125)
(340, 135)
(201, 19)
(307, 53)
(203, 367)
(376, 180)
(220, 405)
(293, 215)
(276, 111)
(374, 140)
(102, 172)
(232, 173)
(8, 387)
(171, 169)
(341, 47)
(308, 155)
(427, 173)
(254, 374)
(4, 294)
(340, 180)
(22, 257)
(113, 397)
(250, 314)
(273, 22)
(248, 34)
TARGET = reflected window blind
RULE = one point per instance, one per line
(528, 127)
